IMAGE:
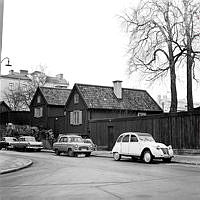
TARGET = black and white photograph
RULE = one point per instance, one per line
(99, 99)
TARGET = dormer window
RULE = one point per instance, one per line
(76, 98)
(39, 99)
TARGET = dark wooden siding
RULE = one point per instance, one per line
(79, 129)
(15, 117)
(181, 130)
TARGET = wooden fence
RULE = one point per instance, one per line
(181, 130)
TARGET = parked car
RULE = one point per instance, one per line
(89, 141)
(141, 145)
(3, 144)
(72, 145)
(31, 143)
(14, 144)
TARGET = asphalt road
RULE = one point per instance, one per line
(62, 177)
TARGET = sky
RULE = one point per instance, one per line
(82, 39)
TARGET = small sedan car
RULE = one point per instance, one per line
(31, 143)
(3, 144)
(72, 145)
(141, 145)
(89, 141)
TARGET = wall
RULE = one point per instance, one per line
(181, 130)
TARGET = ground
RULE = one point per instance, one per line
(63, 177)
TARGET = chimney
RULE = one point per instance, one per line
(59, 76)
(118, 89)
(11, 72)
(24, 72)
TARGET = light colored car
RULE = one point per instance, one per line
(89, 141)
(141, 145)
(72, 145)
(31, 143)
(14, 143)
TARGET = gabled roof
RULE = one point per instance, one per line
(55, 96)
(2, 103)
(102, 97)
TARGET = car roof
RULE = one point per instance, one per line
(137, 133)
(70, 135)
(26, 136)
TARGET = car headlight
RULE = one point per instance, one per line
(76, 146)
(169, 147)
(158, 147)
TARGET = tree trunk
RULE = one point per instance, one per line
(173, 107)
(189, 82)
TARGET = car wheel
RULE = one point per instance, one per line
(167, 160)
(57, 152)
(116, 156)
(87, 154)
(70, 153)
(147, 156)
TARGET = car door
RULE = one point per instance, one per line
(125, 145)
(134, 146)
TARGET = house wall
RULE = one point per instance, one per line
(41, 121)
(78, 129)
(181, 130)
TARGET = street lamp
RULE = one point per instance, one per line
(8, 64)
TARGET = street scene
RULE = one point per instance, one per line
(99, 99)
(99, 177)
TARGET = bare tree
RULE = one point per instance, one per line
(19, 98)
(154, 41)
(190, 12)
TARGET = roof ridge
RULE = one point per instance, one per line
(102, 86)
(54, 88)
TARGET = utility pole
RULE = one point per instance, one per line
(1, 27)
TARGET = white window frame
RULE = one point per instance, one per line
(76, 98)
(142, 114)
(39, 99)
(38, 112)
(76, 117)
(11, 86)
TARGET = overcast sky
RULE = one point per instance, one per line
(83, 39)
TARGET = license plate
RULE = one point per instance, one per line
(83, 149)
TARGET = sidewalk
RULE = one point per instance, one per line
(10, 164)
(193, 159)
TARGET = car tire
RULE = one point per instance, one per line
(147, 156)
(57, 152)
(70, 153)
(116, 156)
(87, 154)
(167, 160)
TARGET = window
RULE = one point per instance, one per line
(126, 138)
(76, 117)
(11, 86)
(142, 114)
(76, 98)
(38, 112)
(39, 99)
(120, 138)
(134, 138)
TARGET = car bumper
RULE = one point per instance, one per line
(82, 151)
(34, 147)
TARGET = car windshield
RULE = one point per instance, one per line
(28, 139)
(146, 138)
(75, 139)
(10, 139)
(87, 141)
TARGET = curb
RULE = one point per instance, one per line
(28, 164)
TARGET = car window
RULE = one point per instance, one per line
(61, 139)
(126, 138)
(21, 139)
(65, 139)
(134, 138)
(120, 138)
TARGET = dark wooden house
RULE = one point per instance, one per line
(47, 108)
(89, 102)
(4, 107)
